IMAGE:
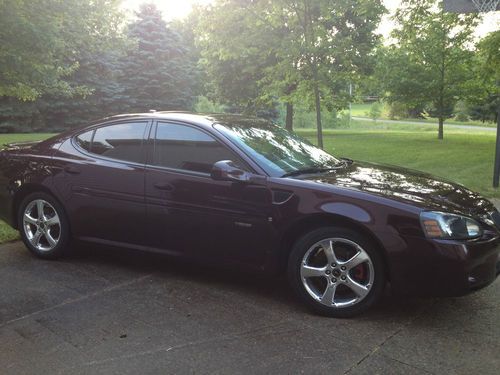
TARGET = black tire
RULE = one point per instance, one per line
(62, 229)
(308, 242)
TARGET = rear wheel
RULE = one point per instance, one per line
(336, 272)
(43, 226)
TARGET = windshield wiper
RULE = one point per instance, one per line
(343, 163)
(346, 161)
(307, 171)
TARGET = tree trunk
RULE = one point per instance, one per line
(442, 81)
(318, 115)
(289, 117)
(496, 171)
(441, 126)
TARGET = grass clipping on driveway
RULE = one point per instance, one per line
(7, 233)
(463, 156)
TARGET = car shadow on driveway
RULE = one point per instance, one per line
(249, 285)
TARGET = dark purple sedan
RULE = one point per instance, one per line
(245, 193)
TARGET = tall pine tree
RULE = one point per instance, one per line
(98, 72)
(157, 73)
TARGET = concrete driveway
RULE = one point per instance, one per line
(118, 312)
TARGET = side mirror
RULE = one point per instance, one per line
(226, 170)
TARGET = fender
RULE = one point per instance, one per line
(23, 170)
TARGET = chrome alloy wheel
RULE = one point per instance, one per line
(42, 225)
(337, 272)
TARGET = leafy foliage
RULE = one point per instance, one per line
(429, 65)
(375, 111)
(484, 91)
(303, 52)
(66, 62)
(88, 39)
(42, 40)
(146, 68)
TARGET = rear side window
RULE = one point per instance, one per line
(119, 141)
(84, 140)
(187, 148)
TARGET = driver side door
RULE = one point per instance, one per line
(191, 214)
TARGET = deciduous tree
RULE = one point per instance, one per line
(41, 42)
(302, 50)
(484, 90)
(429, 65)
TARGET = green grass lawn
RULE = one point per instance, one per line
(13, 138)
(387, 126)
(463, 156)
(362, 109)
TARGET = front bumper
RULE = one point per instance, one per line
(447, 268)
(481, 264)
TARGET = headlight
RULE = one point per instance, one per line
(449, 226)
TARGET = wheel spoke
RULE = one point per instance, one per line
(360, 290)
(329, 294)
(327, 247)
(36, 238)
(54, 220)
(30, 220)
(51, 240)
(39, 208)
(360, 257)
(308, 271)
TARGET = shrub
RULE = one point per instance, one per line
(375, 111)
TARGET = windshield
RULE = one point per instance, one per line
(278, 151)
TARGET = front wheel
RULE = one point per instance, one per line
(43, 226)
(336, 272)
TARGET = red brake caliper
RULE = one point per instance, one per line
(359, 272)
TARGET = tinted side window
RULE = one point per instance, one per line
(84, 140)
(121, 141)
(184, 147)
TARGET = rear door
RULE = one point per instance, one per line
(102, 182)
(190, 213)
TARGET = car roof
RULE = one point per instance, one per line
(206, 119)
(201, 119)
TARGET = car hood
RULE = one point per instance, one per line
(408, 186)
